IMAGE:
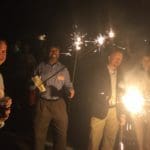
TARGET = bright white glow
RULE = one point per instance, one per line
(78, 42)
(67, 54)
(77, 39)
(111, 34)
(133, 100)
(42, 37)
(100, 40)
(121, 145)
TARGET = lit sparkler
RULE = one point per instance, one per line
(42, 37)
(133, 100)
(111, 34)
(100, 40)
(77, 40)
(66, 54)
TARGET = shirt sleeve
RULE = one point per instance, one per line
(67, 83)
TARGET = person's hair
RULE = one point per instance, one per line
(3, 41)
(115, 50)
(48, 48)
(54, 47)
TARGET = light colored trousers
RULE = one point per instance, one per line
(142, 130)
(103, 128)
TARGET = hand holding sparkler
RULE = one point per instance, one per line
(72, 92)
(38, 83)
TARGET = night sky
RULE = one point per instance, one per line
(26, 18)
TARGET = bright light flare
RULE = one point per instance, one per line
(77, 41)
(42, 37)
(66, 54)
(100, 40)
(111, 34)
(133, 100)
(121, 145)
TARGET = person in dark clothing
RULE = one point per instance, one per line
(104, 121)
(50, 106)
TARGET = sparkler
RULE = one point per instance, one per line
(78, 41)
(133, 100)
(100, 40)
(111, 34)
(42, 37)
(66, 54)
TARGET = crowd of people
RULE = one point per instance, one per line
(48, 82)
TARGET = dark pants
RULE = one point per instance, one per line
(54, 113)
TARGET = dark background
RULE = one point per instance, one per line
(25, 19)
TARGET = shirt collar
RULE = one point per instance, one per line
(111, 71)
(55, 64)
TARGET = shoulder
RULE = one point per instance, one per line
(61, 66)
(42, 64)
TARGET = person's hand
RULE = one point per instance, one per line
(5, 109)
(8, 102)
(72, 92)
(6, 115)
(122, 120)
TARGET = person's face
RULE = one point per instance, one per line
(146, 62)
(3, 51)
(54, 53)
(115, 59)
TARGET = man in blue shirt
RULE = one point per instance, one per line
(51, 107)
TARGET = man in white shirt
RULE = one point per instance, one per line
(104, 121)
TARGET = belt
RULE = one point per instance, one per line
(50, 99)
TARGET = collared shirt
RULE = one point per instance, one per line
(46, 70)
(1, 86)
(113, 79)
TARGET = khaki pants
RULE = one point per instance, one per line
(54, 113)
(103, 128)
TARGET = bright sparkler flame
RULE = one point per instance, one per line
(77, 40)
(42, 37)
(100, 40)
(111, 34)
(133, 100)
